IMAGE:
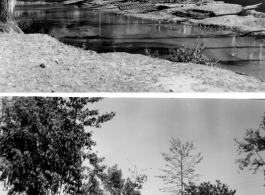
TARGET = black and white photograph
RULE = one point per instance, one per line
(132, 97)
(131, 146)
(169, 46)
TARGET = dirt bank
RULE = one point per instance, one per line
(39, 63)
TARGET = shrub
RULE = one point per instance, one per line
(191, 55)
(209, 189)
(35, 25)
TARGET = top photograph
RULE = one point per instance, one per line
(168, 46)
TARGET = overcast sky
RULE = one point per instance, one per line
(142, 128)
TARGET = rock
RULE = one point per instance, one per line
(206, 11)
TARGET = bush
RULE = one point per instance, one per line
(35, 25)
(191, 55)
(209, 189)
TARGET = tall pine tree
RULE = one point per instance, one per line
(181, 166)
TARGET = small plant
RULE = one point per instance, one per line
(191, 55)
(148, 52)
(87, 45)
(35, 25)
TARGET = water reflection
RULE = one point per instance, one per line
(99, 24)
(31, 2)
(260, 51)
(123, 33)
(233, 40)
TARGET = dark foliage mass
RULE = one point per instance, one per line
(116, 185)
(252, 147)
(43, 143)
(35, 25)
(207, 188)
(113, 183)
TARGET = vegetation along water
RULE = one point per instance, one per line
(109, 32)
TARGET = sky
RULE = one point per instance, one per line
(143, 128)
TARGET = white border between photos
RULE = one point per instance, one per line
(148, 95)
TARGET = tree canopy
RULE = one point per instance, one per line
(112, 182)
(206, 188)
(117, 185)
(181, 166)
(43, 143)
(253, 148)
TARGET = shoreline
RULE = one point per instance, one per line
(235, 21)
(40, 63)
(155, 16)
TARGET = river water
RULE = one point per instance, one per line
(129, 34)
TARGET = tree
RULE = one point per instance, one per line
(114, 182)
(135, 183)
(130, 188)
(182, 166)
(7, 22)
(137, 179)
(209, 189)
(116, 185)
(253, 146)
(92, 177)
(43, 143)
(92, 187)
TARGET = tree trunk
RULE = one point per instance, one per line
(7, 22)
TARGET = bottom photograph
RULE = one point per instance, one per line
(131, 146)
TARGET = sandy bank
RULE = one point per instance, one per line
(39, 63)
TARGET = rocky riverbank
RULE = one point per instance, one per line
(244, 21)
(40, 63)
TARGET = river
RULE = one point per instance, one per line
(128, 34)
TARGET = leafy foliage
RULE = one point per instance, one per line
(116, 185)
(252, 146)
(92, 187)
(181, 166)
(43, 143)
(35, 25)
(130, 188)
(114, 181)
(209, 189)
(191, 55)
(138, 179)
